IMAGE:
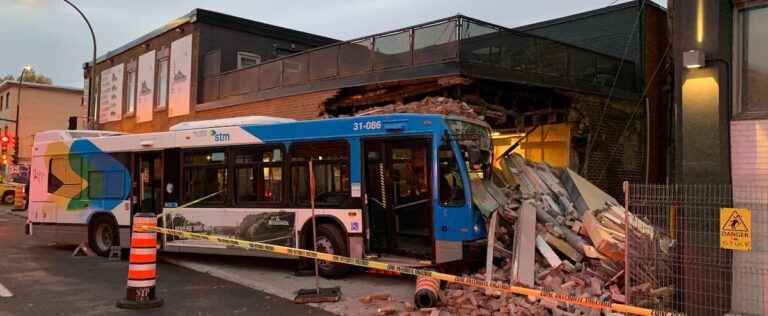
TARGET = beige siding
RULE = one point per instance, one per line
(41, 109)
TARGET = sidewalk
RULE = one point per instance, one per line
(276, 277)
(7, 209)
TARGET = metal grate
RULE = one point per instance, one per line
(674, 258)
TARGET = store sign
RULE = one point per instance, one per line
(180, 85)
(145, 96)
(111, 94)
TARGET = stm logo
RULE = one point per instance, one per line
(219, 136)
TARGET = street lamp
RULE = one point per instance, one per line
(92, 80)
(16, 137)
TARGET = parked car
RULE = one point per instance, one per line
(9, 191)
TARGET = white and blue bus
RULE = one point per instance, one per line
(392, 187)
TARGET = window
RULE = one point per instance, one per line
(331, 166)
(753, 66)
(7, 100)
(64, 176)
(259, 175)
(106, 184)
(1, 102)
(245, 59)
(451, 186)
(162, 83)
(205, 173)
(130, 89)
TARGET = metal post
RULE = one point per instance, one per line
(314, 225)
(17, 139)
(92, 79)
(627, 231)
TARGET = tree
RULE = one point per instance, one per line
(29, 76)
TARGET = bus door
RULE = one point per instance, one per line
(399, 197)
(148, 171)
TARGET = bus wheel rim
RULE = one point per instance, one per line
(104, 236)
(325, 245)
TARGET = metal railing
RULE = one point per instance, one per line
(456, 39)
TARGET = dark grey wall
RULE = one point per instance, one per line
(605, 32)
(229, 41)
(702, 127)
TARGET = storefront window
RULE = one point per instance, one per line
(753, 47)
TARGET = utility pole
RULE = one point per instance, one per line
(92, 79)
(16, 138)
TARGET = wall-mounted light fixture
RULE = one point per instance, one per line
(694, 58)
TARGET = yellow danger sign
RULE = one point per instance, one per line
(735, 229)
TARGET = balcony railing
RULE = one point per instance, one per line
(459, 40)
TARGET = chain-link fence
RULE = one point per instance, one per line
(675, 260)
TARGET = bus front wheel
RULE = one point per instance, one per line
(330, 239)
(102, 235)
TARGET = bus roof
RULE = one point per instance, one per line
(215, 133)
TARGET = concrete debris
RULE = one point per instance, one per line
(554, 230)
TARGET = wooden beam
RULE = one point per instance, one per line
(524, 265)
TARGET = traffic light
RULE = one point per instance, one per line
(4, 140)
(15, 156)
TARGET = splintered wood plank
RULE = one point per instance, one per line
(525, 250)
(491, 244)
(546, 251)
(563, 246)
(604, 241)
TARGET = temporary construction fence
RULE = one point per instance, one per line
(685, 265)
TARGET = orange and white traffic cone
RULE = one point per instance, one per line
(142, 265)
(426, 295)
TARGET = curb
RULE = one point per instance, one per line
(199, 267)
(21, 214)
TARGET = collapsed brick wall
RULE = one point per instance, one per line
(629, 153)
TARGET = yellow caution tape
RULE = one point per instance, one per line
(569, 299)
(172, 210)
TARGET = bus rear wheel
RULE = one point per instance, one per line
(330, 239)
(102, 235)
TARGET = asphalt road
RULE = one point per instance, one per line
(46, 280)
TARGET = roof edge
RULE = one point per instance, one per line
(39, 86)
(587, 14)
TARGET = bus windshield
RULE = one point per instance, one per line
(474, 139)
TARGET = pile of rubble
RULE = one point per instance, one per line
(548, 229)
(428, 105)
(556, 231)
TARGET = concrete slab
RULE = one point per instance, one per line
(276, 277)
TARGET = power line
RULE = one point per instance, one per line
(634, 113)
(591, 141)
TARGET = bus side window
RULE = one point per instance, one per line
(451, 187)
(331, 166)
(259, 175)
(205, 173)
(64, 176)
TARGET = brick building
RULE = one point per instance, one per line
(156, 80)
(523, 84)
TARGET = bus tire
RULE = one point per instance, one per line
(330, 239)
(9, 197)
(102, 235)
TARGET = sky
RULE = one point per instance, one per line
(52, 37)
